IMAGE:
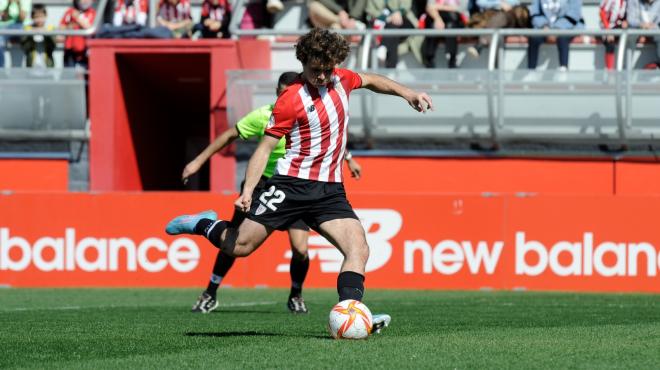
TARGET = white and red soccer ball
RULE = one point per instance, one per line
(350, 319)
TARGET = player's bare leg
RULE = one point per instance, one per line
(348, 236)
(298, 269)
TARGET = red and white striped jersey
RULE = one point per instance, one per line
(131, 12)
(612, 13)
(174, 13)
(215, 12)
(315, 123)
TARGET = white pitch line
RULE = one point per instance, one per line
(248, 304)
(63, 308)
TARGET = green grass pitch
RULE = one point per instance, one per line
(153, 328)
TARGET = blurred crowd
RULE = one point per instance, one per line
(129, 19)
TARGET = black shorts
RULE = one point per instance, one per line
(286, 199)
(239, 215)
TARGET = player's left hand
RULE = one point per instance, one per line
(243, 202)
(356, 169)
(420, 102)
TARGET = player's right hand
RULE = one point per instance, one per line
(243, 202)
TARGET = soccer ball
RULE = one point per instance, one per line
(350, 319)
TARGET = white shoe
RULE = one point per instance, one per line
(380, 321)
(561, 75)
(381, 53)
(473, 52)
(530, 76)
(274, 6)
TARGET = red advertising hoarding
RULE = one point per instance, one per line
(551, 242)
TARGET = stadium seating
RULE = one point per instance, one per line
(477, 106)
(43, 104)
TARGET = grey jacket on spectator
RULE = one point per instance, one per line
(355, 7)
(375, 8)
(414, 43)
(634, 10)
(569, 14)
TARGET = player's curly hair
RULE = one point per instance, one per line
(323, 46)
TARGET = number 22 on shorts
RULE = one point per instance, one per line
(272, 197)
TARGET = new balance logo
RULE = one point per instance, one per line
(311, 108)
(380, 225)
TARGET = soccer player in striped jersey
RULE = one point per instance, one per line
(312, 114)
(251, 126)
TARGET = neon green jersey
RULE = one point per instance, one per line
(253, 125)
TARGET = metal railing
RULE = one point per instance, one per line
(495, 53)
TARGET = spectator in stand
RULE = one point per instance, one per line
(175, 15)
(391, 14)
(496, 14)
(130, 12)
(78, 17)
(339, 14)
(214, 22)
(440, 15)
(612, 16)
(38, 49)
(13, 14)
(645, 14)
(259, 14)
(558, 15)
(129, 21)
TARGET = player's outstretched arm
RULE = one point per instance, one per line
(420, 101)
(255, 169)
(226, 138)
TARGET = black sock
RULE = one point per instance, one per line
(223, 263)
(298, 270)
(350, 285)
(202, 225)
(212, 230)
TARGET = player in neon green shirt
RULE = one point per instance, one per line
(254, 125)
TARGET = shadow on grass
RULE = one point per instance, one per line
(233, 334)
(230, 334)
(221, 310)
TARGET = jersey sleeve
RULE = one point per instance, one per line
(187, 14)
(66, 18)
(254, 123)
(284, 115)
(349, 79)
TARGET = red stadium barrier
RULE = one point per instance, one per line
(573, 243)
(34, 174)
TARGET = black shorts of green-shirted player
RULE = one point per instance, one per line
(253, 126)
(321, 204)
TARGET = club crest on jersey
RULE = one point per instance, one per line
(311, 108)
(261, 209)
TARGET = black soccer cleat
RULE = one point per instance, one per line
(205, 303)
(380, 321)
(297, 305)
